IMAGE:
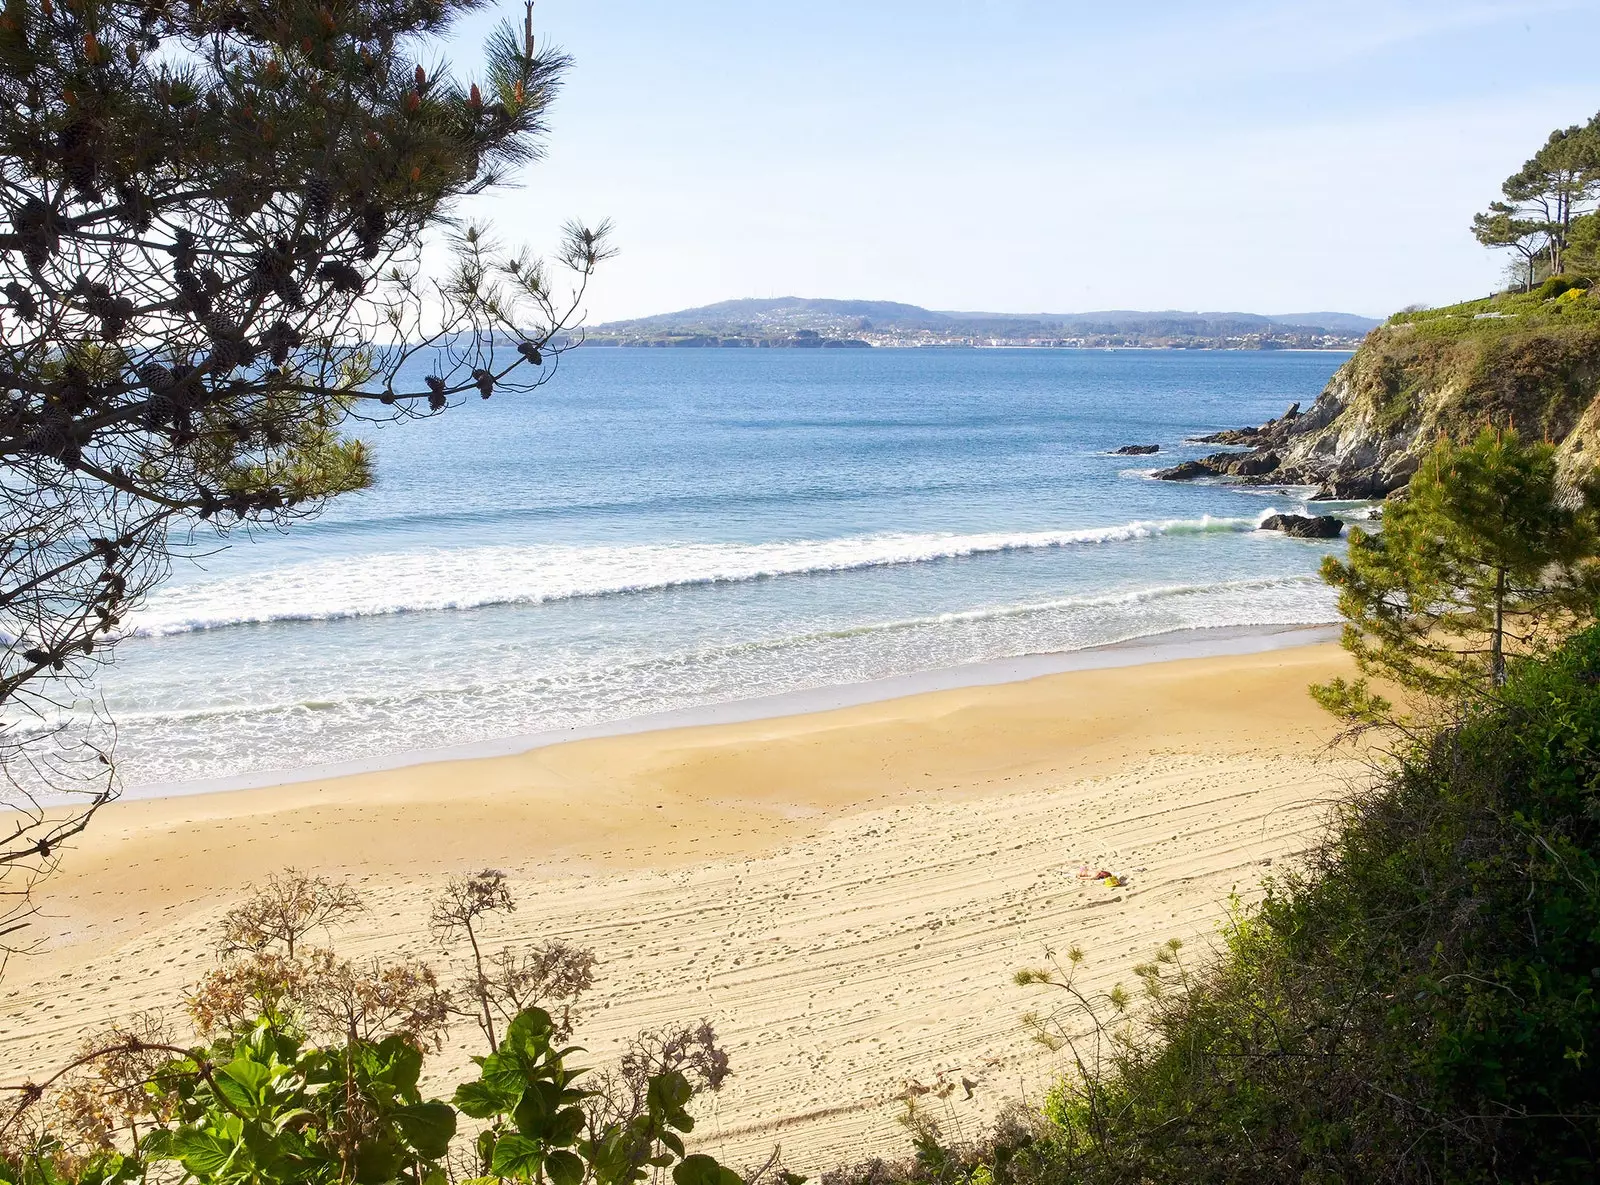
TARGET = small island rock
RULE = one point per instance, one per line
(1301, 526)
(1137, 450)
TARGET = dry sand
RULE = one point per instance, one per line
(844, 894)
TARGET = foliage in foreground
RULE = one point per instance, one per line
(212, 226)
(1418, 1005)
(266, 1106)
(304, 1068)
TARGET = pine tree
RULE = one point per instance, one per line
(1480, 561)
(1556, 186)
(212, 217)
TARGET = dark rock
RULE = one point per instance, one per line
(1136, 450)
(1249, 436)
(1272, 432)
(1239, 465)
(1185, 471)
(1356, 487)
(1253, 464)
(1300, 526)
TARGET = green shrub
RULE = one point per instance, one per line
(265, 1107)
(1419, 1003)
(1556, 285)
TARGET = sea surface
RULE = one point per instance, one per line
(658, 529)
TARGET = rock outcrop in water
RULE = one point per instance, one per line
(1136, 450)
(1302, 526)
(1517, 360)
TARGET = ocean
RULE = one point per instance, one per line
(660, 529)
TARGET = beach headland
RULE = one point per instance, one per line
(844, 892)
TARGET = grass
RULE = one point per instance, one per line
(1513, 359)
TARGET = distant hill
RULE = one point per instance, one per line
(793, 320)
(752, 311)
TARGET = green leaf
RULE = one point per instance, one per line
(427, 1127)
(155, 1146)
(517, 1156)
(536, 1110)
(400, 1064)
(507, 1073)
(700, 1169)
(565, 1128)
(669, 1092)
(482, 1100)
(107, 1168)
(200, 1152)
(530, 1031)
(293, 1119)
(253, 1076)
(564, 1168)
(378, 1160)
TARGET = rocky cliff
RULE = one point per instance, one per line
(1526, 361)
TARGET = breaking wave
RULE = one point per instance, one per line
(438, 579)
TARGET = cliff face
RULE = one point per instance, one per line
(1530, 363)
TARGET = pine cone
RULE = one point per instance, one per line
(279, 340)
(374, 225)
(183, 250)
(34, 224)
(155, 376)
(342, 276)
(55, 438)
(114, 317)
(22, 300)
(137, 210)
(319, 198)
(291, 294)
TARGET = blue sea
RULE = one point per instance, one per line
(659, 529)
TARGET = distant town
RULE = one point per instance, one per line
(800, 323)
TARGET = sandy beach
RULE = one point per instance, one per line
(845, 894)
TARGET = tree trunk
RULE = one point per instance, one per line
(1497, 660)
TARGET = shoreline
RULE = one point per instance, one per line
(1173, 646)
(845, 893)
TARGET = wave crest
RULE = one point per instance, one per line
(441, 579)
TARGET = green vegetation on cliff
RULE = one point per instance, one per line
(1529, 361)
(1522, 360)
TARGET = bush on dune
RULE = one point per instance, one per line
(1418, 1003)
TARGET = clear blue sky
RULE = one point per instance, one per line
(1028, 156)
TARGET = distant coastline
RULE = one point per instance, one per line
(803, 323)
(858, 344)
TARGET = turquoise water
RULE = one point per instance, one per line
(665, 528)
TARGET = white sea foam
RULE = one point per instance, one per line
(466, 578)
